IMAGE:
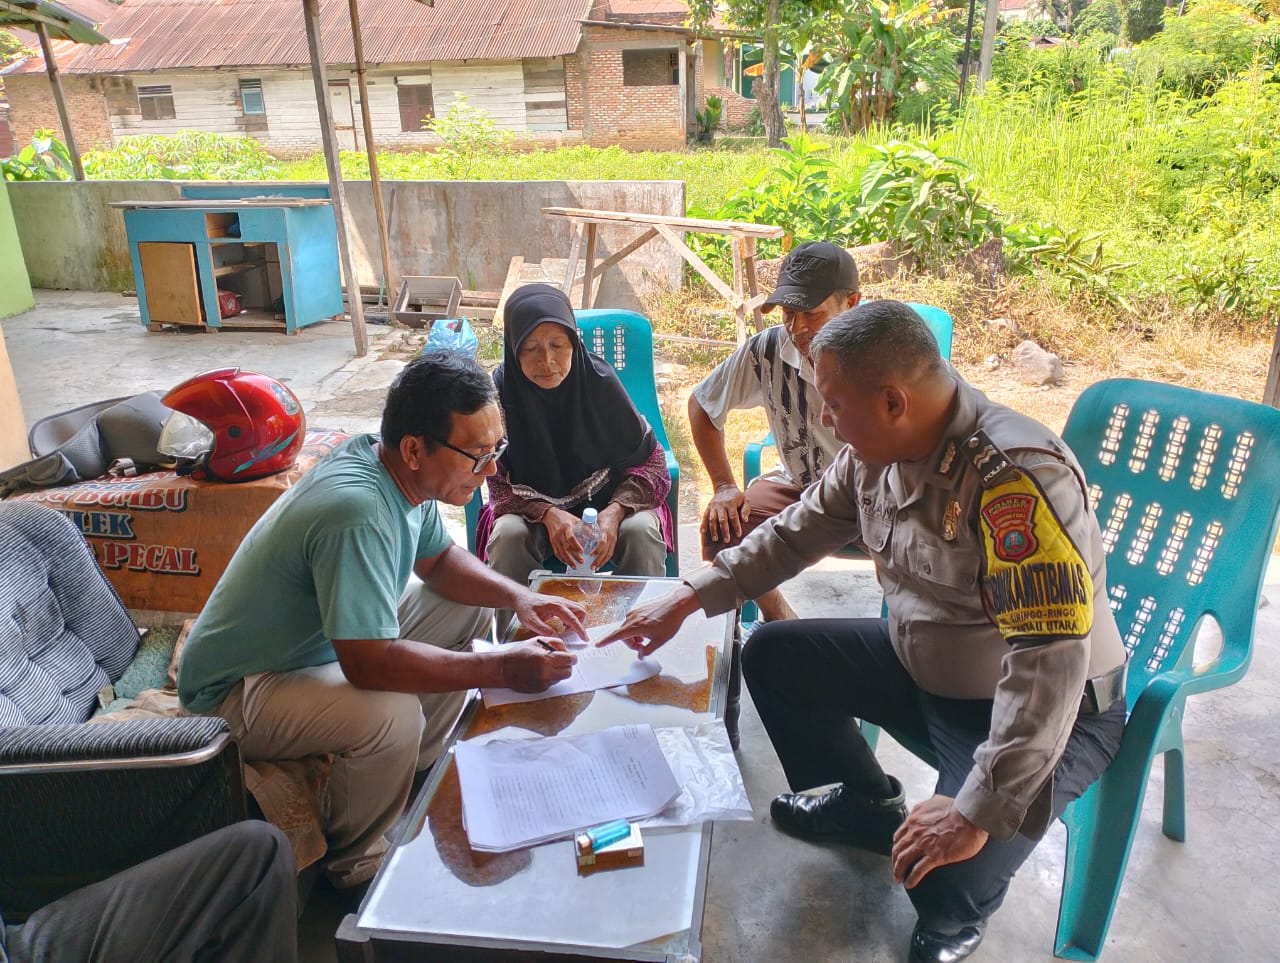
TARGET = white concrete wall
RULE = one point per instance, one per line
(75, 240)
(209, 100)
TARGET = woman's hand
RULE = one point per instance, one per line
(560, 525)
(608, 520)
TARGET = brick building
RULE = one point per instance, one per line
(557, 71)
(93, 12)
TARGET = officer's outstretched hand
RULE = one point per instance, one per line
(650, 626)
(934, 835)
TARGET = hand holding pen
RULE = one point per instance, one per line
(535, 664)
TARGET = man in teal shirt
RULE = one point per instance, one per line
(318, 640)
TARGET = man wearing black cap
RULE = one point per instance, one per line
(818, 280)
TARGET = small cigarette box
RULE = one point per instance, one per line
(628, 851)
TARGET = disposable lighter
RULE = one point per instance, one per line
(612, 850)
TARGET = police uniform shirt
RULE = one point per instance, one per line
(993, 567)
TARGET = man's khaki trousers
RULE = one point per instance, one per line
(378, 739)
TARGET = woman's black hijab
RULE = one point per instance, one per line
(561, 436)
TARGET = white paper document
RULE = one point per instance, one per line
(596, 669)
(521, 792)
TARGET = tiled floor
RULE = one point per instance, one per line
(1213, 898)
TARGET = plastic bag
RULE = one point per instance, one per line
(711, 784)
(452, 334)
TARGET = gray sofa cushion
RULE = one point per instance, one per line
(64, 633)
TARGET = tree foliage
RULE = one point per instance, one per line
(1197, 52)
(1143, 19)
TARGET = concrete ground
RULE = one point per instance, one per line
(1212, 898)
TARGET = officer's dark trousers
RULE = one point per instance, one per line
(812, 679)
(228, 897)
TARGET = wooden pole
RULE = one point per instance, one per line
(389, 279)
(990, 24)
(51, 65)
(1271, 393)
(588, 271)
(739, 307)
(311, 16)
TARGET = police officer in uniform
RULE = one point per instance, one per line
(1000, 653)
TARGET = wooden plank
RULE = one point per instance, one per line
(697, 224)
(55, 78)
(739, 308)
(697, 264)
(587, 276)
(1271, 393)
(510, 284)
(575, 252)
(254, 321)
(754, 298)
(686, 339)
(337, 192)
(212, 204)
(631, 248)
(170, 282)
(13, 429)
(235, 268)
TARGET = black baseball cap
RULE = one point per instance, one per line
(811, 273)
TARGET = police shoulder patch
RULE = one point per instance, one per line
(1036, 585)
(992, 465)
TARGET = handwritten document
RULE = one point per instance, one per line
(596, 669)
(522, 792)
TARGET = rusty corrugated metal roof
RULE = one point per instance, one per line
(181, 34)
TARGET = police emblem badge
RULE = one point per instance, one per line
(1010, 519)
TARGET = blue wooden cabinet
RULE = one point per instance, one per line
(279, 255)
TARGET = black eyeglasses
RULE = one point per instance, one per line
(481, 462)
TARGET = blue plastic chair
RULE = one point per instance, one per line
(1186, 487)
(625, 340)
(941, 325)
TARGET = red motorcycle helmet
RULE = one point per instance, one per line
(257, 423)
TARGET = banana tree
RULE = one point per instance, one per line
(877, 50)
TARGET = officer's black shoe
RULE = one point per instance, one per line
(841, 815)
(928, 946)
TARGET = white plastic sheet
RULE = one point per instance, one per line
(707, 771)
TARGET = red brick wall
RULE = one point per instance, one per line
(7, 148)
(736, 107)
(635, 117)
(31, 108)
(573, 89)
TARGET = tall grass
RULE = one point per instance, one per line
(710, 175)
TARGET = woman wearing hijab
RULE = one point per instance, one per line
(575, 442)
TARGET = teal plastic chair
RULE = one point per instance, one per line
(941, 325)
(625, 340)
(1186, 487)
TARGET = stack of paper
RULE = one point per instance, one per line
(522, 792)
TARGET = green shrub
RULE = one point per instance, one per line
(1197, 52)
(186, 155)
(924, 201)
(45, 159)
(468, 133)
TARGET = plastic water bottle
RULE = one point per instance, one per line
(587, 532)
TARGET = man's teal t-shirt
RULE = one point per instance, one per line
(329, 560)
